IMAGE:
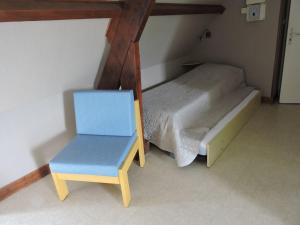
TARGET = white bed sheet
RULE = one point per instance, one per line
(179, 114)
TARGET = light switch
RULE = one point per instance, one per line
(253, 12)
(256, 12)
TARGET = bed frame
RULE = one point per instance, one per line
(219, 142)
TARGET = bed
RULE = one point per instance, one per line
(199, 113)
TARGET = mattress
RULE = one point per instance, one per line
(179, 114)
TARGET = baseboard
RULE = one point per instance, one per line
(267, 100)
(24, 181)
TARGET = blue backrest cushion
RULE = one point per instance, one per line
(104, 112)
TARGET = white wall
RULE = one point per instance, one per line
(40, 64)
(41, 58)
(251, 46)
(169, 39)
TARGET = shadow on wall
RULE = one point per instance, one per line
(184, 38)
(45, 151)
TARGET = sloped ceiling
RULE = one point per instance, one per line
(166, 38)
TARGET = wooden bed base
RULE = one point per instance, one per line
(219, 143)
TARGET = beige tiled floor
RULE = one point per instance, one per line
(256, 181)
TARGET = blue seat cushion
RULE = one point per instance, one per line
(105, 112)
(93, 155)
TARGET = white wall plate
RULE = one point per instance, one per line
(251, 2)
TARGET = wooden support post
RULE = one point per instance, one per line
(122, 67)
(139, 128)
(112, 28)
(133, 18)
(131, 78)
(131, 73)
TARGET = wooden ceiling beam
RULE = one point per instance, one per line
(164, 9)
(32, 10)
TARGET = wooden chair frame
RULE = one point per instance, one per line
(122, 179)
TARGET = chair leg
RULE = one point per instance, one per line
(61, 187)
(123, 177)
(141, 155)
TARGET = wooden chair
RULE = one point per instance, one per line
(109, 135)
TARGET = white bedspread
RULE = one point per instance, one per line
(178, 114)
